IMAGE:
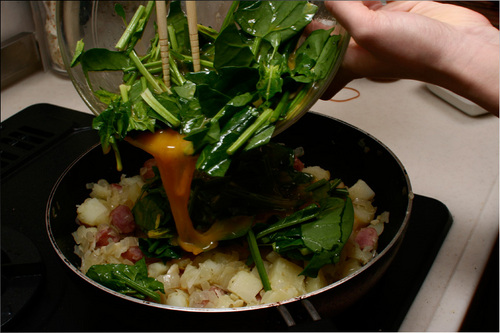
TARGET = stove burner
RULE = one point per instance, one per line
(22, 273)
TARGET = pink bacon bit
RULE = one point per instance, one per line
(123, 219)
(297, 164)
(104, 236)
(367, 238)
(134, 254)
(146, 171)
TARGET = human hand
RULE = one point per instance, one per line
(442, 44)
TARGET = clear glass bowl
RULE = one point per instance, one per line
(98, 25)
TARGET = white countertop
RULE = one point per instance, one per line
(448, 155)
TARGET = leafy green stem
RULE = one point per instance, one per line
(124, 89)
(148, 65)
(172, 38)
(259, 263)
(303, 215)
(136, 286)
(140, 27)
(131, 28)
(162, 111)
(256, 45)
(249, 131)
(230, 15)
(140, 66)
(118, 158)
(280, 108)
(176, 75)
(294, 105)
(188, 58)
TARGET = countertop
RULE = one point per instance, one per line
(448, 155)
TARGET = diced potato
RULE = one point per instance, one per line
(378, 226)
(132, 188)
(178, 298)
(361, 190)
(229, 301)
(157, 268)
(364, 211)
(361, 256)
(245, 285)
(316, 283)
(172, 279)
(189, 278)
(272, 256)
(227, 273)
(93, 212)
(317, 172)
(350, 266)
(100, 190)
(278, 295)
(284, 274)
(209, 270)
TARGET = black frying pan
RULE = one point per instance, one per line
(349, 154)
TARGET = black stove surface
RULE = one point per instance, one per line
(39, 293)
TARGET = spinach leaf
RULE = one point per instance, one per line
(127, 279)
(178, 28)
(80, 46)
(267, 18)
(324, 233)
(152, 212)
(298, 217)
(214, 159)
(325, 256)
(270, 82)
(112, 124)
(160, 248)
(262, 137)
(211, 100)
(98, 59)
(315, 56)
(231, 49)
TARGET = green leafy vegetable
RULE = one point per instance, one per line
(160, 248)
(254, 56)
(255, 73)
(131, 280)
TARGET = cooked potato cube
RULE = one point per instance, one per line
(317, 172)
(245, 285)
(93, 212)
(284, 274)
(361, 190)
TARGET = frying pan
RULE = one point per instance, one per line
(346, 151)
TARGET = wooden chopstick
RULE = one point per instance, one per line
(161, 18)
(193, 34)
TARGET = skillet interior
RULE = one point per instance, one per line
(347, 152)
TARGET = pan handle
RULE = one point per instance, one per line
(317, 324)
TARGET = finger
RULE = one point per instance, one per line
(349, 13)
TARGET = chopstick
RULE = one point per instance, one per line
(161, 18)
(193, 34)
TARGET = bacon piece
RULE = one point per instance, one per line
(146, 171)
(123, 219)
(133, 254)
(367, 238)
(116, 186)
(106, 234)
(297, 164)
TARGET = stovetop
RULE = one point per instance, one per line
(39, 293)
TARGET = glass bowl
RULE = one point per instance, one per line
(99, 26)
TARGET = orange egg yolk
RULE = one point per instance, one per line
(176, 164)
